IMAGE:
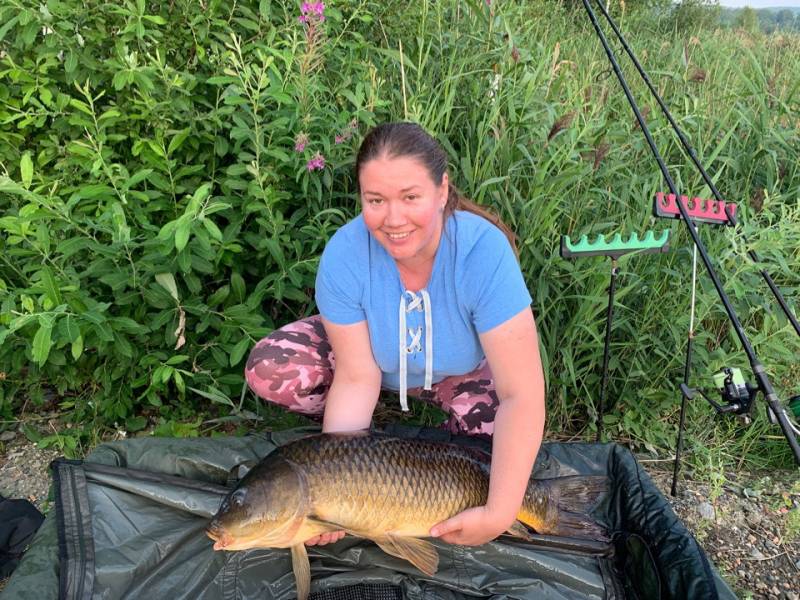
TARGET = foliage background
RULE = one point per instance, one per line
(159, 215)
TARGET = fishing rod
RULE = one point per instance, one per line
(757, 367)
(696, 161)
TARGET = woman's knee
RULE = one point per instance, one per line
(292, 367)
(474, 415)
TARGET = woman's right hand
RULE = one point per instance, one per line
(325, 538)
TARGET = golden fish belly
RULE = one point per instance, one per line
(377, 484)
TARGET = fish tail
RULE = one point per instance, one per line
(561, 506)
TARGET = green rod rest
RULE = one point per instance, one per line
(615, 247)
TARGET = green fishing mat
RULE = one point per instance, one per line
(128, 522)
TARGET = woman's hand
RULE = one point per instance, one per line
(325, 538)
(472, 527)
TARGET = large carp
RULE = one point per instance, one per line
(389, 490)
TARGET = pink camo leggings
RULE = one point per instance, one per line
(293, 367)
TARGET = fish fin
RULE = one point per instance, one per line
(580, 525)
(519, 530)
(419, 553)
(578, 493)
(302, 571)
(572, 499)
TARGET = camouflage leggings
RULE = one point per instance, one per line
(293, 367)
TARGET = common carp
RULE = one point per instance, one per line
(385, 489)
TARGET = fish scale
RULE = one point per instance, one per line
(400, 481)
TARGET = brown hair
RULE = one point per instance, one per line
(411, 140)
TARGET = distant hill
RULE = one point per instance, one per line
(784, 18)
(794, 9)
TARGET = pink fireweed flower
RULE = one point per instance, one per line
(352, 127)
(300, 142)
(312, 11)
(317, 163)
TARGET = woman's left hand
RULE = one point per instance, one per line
(472, 527)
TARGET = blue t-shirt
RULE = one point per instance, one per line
(476, 284)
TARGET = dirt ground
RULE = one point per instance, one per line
(748, 524)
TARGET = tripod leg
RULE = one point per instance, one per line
(679, 444)
(607, 349)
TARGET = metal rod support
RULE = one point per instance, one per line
(607, 348)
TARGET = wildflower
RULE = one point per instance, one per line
(345, 135)
(300, 142)
(317, 163)
(312, 11)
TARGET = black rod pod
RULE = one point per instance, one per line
(758, 369)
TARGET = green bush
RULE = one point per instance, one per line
(165, 199)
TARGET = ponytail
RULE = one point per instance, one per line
(455, 201)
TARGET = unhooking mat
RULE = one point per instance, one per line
(128, 523)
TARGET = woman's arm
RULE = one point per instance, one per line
(356, 383)
(512, 350)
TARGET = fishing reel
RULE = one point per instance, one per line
(737, 394)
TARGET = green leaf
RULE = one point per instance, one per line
(167, 281)
(26, 169)
(219, 296)
(177, 141)
(214, 395)
(71, 62)
(81, 106)
(123, 346)
(128, 325)
(77, 347)
(30, 433)
(7, 27)
(238, 351)
(221, 80)
(212, 229)
(179, 383)
(182, 235)
(177, 359)
(68, 328)
(238, 286)
(50, 286)
(42, 341)
(135, 423)
(276, 251)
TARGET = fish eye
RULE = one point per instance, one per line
(237, 498)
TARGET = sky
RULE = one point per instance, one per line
(760, 3)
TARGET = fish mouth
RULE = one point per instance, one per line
(222, 539)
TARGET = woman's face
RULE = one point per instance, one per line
(403, 207)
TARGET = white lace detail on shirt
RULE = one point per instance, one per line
(422, 302)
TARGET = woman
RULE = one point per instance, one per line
(421, 293)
